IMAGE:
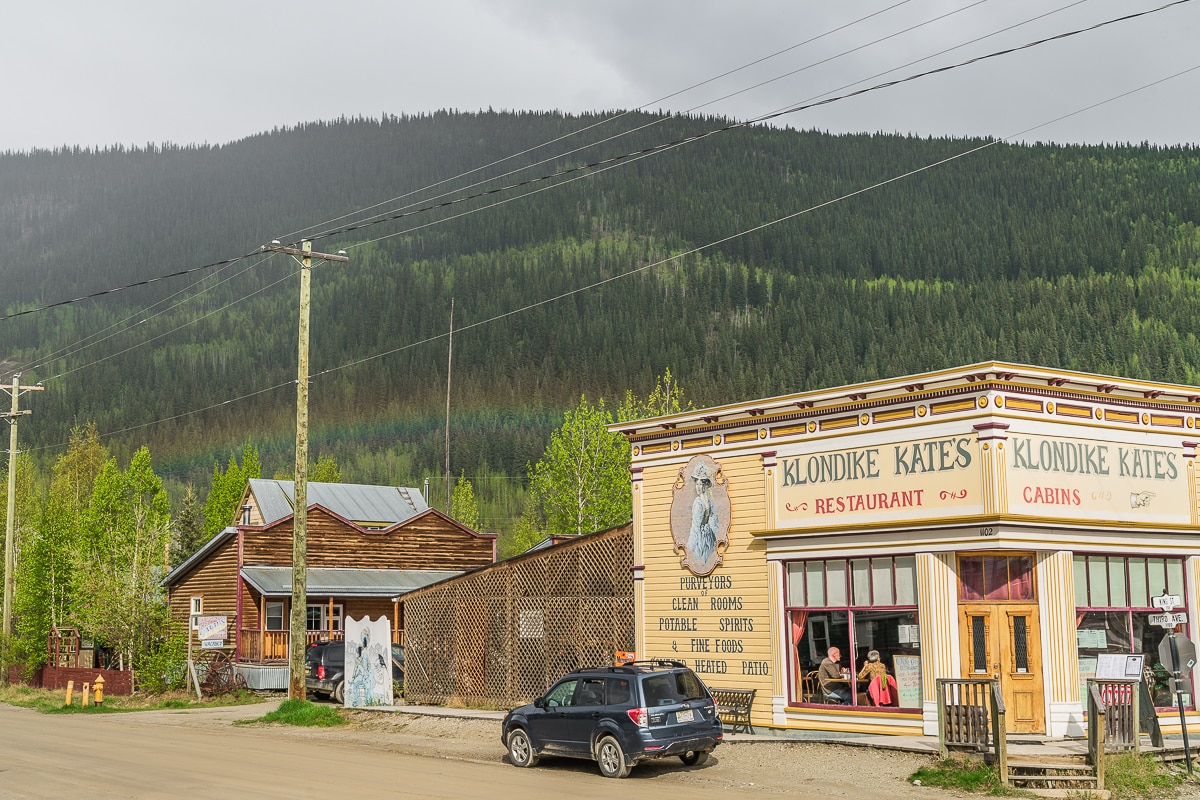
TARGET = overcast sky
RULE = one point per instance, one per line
(78, 72)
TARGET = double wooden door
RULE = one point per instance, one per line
(1002, 641)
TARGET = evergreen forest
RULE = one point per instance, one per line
(729, 260)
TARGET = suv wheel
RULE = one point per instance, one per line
(694, 758)
(339, 693)
(520, 749)
(611, 758)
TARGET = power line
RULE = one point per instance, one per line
(605, 121)
(661, 262)
(733, 126)
(627, 156)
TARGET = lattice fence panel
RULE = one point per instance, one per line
(500, 636)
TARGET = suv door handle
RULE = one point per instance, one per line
(595, 715)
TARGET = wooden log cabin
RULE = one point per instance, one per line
(368, 546)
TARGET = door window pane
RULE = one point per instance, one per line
(970, 576)
(1020, 634)
(1020, 575)
(979, 644)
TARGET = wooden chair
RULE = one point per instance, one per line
(810, 688)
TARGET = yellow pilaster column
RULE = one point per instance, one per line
(1060, 665)
(937, 600)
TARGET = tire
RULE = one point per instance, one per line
(520, 749)
(694, 758)
(339, 693)
(611, 758)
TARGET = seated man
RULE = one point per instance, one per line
(833, 685)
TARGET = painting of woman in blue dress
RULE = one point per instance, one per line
(700, 515)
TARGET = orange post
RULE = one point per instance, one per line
(86, 696)
(70, 692)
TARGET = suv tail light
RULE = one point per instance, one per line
(321, 672)
(640, 717)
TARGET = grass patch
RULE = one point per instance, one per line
(1128, 776)
(304, 713)
(968, 776)
(51, 701)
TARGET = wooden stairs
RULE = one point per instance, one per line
(1057, 775)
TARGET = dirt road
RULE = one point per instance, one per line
(200, 753)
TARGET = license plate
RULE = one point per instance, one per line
(685, 716)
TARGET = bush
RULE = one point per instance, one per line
(165, 668)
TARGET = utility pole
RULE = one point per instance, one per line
(10, 520)
(299, 617)
(449, 363)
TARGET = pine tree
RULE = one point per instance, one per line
(463, 506)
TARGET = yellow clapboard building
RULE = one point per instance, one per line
(990, 521)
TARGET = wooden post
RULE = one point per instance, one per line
(9, 524)
(70, 693)
(85, 697)
(299, 627)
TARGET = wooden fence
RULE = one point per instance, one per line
(500, 635)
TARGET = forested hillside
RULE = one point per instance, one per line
(1078, 257)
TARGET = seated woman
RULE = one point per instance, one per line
(880, 685)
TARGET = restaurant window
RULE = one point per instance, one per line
(864, 607)
(1112, 615)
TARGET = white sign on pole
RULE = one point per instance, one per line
(209, 628)
(1166, 602)
(210, 644)
(1169, 620)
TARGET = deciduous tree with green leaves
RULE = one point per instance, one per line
(227, 489)
(463, 506)
(121, 559)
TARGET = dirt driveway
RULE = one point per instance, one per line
(198, 753)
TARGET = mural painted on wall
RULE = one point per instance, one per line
(368, 668)
(700, 515)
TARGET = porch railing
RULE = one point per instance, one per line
(1097, 731)
(259, 646)
(1120, 711)
(971, 714)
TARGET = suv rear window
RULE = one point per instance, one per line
(672, 688)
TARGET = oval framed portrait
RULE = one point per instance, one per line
(700, 515)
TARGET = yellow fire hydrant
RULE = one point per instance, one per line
(98, 687)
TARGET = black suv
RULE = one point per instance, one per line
(325, 669)
(617, 716)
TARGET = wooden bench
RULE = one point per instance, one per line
(733, 707)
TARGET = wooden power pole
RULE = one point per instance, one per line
(449, 363)
(10, 530)
(299, 617)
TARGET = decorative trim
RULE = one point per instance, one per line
(896, 414)
(950, 406)
(744, 436)
(1166, 421)
(841, 422)
(706, 441)
(1082, 412)
(1023, 404)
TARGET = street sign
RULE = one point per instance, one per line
(1169, 620)
(1184, 648)
(209, 644)
(1167, 602)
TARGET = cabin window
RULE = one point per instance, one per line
(1113, 597)
(197, 607)
(319, 619)
(274, 619)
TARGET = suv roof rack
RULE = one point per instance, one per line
(633, 666)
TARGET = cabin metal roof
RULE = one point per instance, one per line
(369, 506)
(345, 582)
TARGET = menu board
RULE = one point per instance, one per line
(908, 680)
